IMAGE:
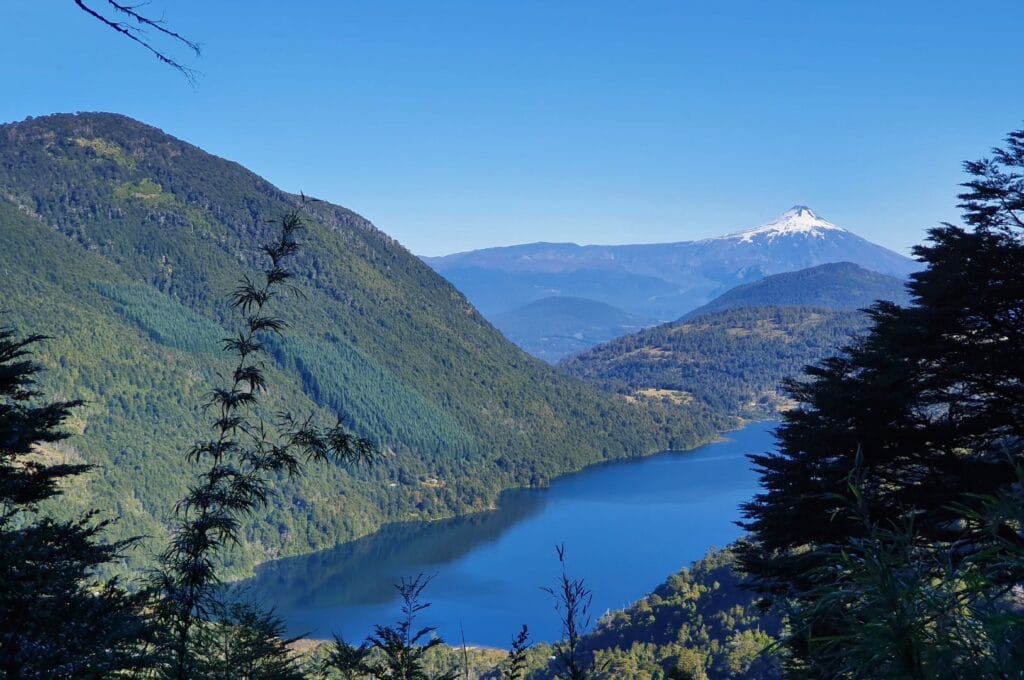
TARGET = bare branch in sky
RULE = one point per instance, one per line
(131, 23)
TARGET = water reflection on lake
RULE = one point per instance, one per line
(626, 525)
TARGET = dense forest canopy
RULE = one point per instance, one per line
(120, 242)
(732, 361)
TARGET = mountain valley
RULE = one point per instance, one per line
(658, 282)
(121, 244)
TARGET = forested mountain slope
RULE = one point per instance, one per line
(703, 622)
(731, 361)
(121, 242)
(731, 354)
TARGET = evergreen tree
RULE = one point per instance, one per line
(58, 618)
(402, 646)
(928, 407)
(515, 664)
(347, 660)
(243, 642)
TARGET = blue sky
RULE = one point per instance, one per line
(459, 125)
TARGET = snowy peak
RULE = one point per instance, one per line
(798, 220)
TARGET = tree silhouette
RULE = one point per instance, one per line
(572, 602)
(347, 660)
(928, 408)
(402, 645)
(58, 618)
(515, 664)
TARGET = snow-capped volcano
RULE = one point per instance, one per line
(798, 220)
(660, 281)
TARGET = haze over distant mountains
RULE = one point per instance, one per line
(557, 326)
(660, 282)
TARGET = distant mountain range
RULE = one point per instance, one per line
(652, 281)
(731, 354)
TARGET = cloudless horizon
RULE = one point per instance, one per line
(466, 125)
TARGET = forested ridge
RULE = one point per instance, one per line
(702, 622)
(838, 285)
(733, 353)
(121, 243)
(732, 361)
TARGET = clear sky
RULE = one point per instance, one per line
(457, 125)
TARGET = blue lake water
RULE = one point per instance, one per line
(626, 527)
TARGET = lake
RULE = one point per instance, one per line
(626, 527)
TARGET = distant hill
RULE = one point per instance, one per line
(731, 361)
(841, 285)
(659, 281)
(121, 242)
(496, 294)
(731, 354)
(555, 327)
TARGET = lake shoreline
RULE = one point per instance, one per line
(628, 524)
(494, 505)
